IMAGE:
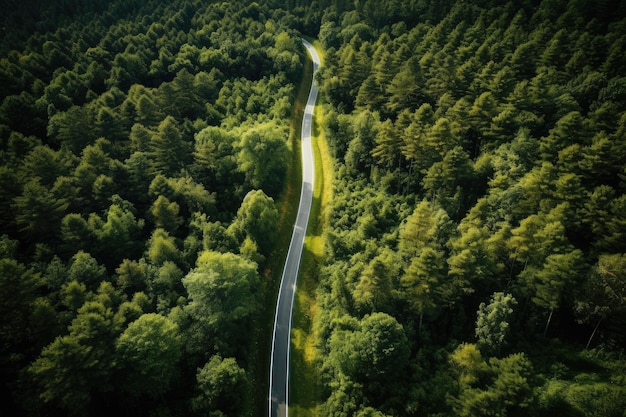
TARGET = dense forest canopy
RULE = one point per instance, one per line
(476, 263)
(476, 253)
(143, 147)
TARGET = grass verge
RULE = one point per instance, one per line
(305, 394)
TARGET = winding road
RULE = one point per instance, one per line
(281, 338)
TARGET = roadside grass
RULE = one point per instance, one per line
(305, 394)
(287, 204)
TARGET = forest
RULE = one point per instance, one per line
(475, 256)
(476, 262)
(143, 147)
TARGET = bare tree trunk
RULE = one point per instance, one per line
(593, 333)
(545, 332)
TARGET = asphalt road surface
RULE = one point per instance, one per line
(281, 338)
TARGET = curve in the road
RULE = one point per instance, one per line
(281, 338)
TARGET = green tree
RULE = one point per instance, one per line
(95, 161)
(468, 364)
(215, 159)
(47, 164)
(149, 351)
(86, 270)
(169, 150)
(492, 324)
(167, 286)
(140, 137)
(263, 158)
(165, 214)
(133, 276)
(64, 370)
(406, 88)
(119, 235)
(75, 368)
(358, 156)
(421, 281)
(220, 382)
(375, 355)
(603, 295)
(345, 397)
(191, 196)
(186, 103)
(473, 259)
(257, 218)
(568, 130)
(374, 291)
(387, 149)
(18, 293)
(559, 272)
(499, 388)
(427, 225)
(445, 180)
(74, 294)
(76, 233)
(110, 125)
(370, 412)
(127, 69)
(39, 211)
(72, 129)
(162, 247)
(222, 290)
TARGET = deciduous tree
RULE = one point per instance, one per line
(149, 351)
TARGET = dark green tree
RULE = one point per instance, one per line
(220, 382)
(170, 152)
(39, 211)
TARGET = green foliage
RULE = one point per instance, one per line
(170, 153)
(223, 298)
(374, 291)
(165, 214)
(78, 366)
(497, 388)
(220, 382)
(162, 248)
(39, 211)
(479, 150)
(373, 355)
(481, 137)
(492, 324)
(422, 279)
(149, 351)
(263, 158)
(257, 219)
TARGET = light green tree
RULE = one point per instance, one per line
(421, 281)
(257, 218)
(492, 324)
(165, 213)
(222, 290)
(149, 350)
